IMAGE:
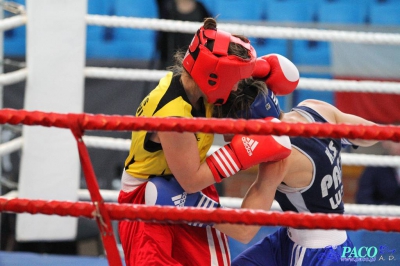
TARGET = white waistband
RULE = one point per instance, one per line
(317, 238)
(130, 183)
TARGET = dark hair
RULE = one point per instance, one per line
(241, 99)
(233, 49)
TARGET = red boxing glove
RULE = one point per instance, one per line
(245, 151)
(278, 72)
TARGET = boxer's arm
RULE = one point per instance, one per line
(334, 115)
(260, 196)
(245, 151)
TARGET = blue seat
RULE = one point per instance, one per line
(136, 8)
(288, 10)
(341, 11)
(270, 46)
(285, 11)
(311, 53)
(15, 39)
(101, 49)
(238, 10)
(99, 7)
(209, 5)
(384, 12)
(328, 12)
(118, 42)
(98, 38)
(15, 42)
(135, 43)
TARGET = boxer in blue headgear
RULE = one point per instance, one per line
(264, 105)
(254, 100)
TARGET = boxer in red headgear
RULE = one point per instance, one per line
(167, 168)
(212, 67)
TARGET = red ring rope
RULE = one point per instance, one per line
(103, 213)
(221, 126)
(191, 214)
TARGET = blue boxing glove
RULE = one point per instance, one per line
(166, 191)
(264, 105)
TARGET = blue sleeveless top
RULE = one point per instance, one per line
(325, 192)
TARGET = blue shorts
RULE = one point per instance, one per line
(278, 249)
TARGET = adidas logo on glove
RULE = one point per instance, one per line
(249, 145)
(179, 200)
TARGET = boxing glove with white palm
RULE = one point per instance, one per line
(278, 72)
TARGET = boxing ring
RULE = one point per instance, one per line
(104, 211)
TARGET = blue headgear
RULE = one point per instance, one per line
(262, 107)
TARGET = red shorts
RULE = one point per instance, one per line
(160, 244)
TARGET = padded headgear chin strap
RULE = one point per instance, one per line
(262, 107)
(216, 72)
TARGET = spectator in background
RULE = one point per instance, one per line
(169, 42)
(381, 185)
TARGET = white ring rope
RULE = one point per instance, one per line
(305, 83)
(124, 145)
(13, 77)
(186, 26)
(12, 22)
(250, 30)
(350, 208)
(349, 85)
(372, 210)
(235, 203)
(107, 143)
(11, 146)
(370, 160)
(124, 74)
(255, 31)
(347, 158)
(155, 75)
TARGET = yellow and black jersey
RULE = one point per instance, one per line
(146, 158)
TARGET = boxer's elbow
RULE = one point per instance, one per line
(241, 233)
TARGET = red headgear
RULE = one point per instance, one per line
(216, 72)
